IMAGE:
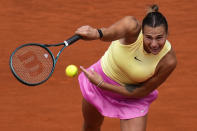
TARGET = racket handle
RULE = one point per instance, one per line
(73, 39)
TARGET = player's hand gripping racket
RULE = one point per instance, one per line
(32, 64)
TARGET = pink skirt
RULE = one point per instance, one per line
(113, 104)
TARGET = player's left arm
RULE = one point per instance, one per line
(163, 71)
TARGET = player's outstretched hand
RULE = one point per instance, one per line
(88, 33)
(92, 75)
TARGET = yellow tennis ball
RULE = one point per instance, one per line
(71, 70)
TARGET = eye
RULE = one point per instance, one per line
(149, 37)
(159, 37)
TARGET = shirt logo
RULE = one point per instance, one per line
(137, 59)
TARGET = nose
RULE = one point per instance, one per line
(154, 44)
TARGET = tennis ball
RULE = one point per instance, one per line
(71, 70)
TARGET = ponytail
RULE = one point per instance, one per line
(154, 8)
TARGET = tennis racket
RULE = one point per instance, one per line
(33, 64)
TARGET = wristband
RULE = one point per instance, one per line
(100, 33)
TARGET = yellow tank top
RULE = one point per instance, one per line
(130, 64)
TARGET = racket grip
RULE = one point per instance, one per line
(73, 39)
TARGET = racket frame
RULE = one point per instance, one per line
(66, 43)
(32, 44)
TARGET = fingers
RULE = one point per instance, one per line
(82, 30)
(87, 32)
(92, 75)
(88, 73)
(84, 70)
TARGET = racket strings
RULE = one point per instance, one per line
(32, 64)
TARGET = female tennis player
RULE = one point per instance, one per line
(124, 82)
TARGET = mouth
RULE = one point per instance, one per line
(155, 51)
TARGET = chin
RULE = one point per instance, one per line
(155, 52)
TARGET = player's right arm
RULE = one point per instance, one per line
(126, 29)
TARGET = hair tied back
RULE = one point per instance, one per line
(153, 8)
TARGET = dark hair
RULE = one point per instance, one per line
(154, 18)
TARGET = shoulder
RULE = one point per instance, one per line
(132, 27)
(132, 24)
(166, 66)
(169, 61)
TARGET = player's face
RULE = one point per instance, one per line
(154, 39)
